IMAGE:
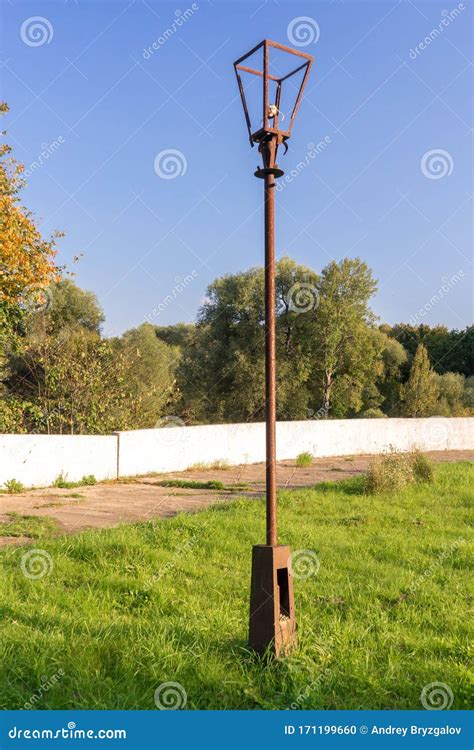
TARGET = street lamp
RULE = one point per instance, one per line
(272, 611)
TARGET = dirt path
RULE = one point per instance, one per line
(110, 503)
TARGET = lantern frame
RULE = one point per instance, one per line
(268, 130)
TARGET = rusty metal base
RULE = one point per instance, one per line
(272, 608)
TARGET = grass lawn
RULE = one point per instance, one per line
(124, 610)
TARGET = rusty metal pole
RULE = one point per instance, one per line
(270, 359)
(272, 609)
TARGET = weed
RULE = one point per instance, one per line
(304, 459)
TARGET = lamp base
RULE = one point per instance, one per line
(272, 625)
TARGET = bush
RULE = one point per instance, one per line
(304, 459)
(13, 486)
(394, 470)
(423, 468)
(88, 479)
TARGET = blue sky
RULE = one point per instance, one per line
(393, 183)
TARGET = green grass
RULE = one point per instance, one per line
(304, 459)
(33, 527)
(220, 464)
(188, 484)
(63, 483)
(124, 610)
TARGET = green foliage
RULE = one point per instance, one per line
(220, 465)
(13, 487)
(304, 459)
(150, 376)
(393, 471)
(423, 468)
(188, 484)
(62, 482)
(447, 350)
(373, 414)
(33, 527)
(129, 608)
(420, 393)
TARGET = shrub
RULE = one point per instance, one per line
(373, 413)
(88, 479)
(13, 486)
(390, 472)
(304, 459)
(394, 470)
(423, 468)
(65, 484)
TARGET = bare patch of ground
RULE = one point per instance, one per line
(108, 504)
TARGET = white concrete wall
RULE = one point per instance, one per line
(37, 460)
(175, 448)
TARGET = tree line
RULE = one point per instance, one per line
(59, 374)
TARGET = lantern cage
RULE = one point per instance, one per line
(284, 72)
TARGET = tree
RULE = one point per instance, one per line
(27, 260)
(420, 393)
(150, 377)
(449, 351)
(221, 374)
(72, 382)
(343, 348)
(451, 388)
